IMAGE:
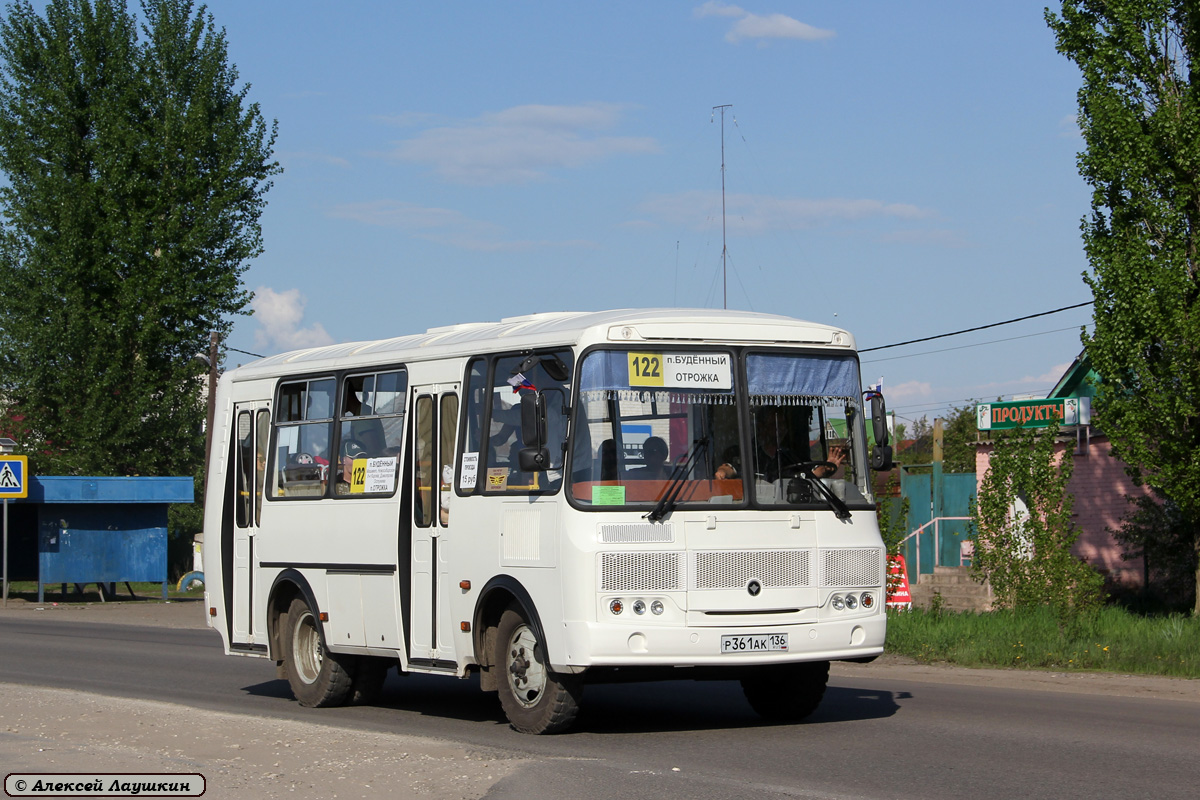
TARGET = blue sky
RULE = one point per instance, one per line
(898, 169)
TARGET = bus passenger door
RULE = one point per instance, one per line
(436, 425)
(252, 426)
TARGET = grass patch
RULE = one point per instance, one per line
(27, 592)
(1110, 639)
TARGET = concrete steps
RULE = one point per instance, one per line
(959, 592)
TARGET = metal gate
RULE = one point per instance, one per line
(933, 497)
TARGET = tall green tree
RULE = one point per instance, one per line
(136, 175)
(1139, 113)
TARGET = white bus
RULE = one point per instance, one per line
(549, 501)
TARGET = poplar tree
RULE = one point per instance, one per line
(135, 175)
(1139, 114)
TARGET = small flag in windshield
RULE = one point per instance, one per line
(519, 382)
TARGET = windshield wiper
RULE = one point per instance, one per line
(840, 509)
(666, 503)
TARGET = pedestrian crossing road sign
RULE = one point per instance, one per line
(14, 481)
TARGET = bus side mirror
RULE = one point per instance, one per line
(881, 453)
(534, 456)
(533, 419)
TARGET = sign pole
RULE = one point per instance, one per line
(14, 482)
(6, 552)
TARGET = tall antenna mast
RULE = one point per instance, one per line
(724, 250)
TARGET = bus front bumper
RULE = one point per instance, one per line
(592, 644)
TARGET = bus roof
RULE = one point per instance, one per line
(665, 327)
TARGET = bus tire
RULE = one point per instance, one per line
(369, 675)
(318, 677)
(787, 693)
(535, 698)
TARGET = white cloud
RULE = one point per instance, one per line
(443, 226)
(1051, 376)
(280, 316)
(907, 391)
(755, 214)
(761, 27)
(521, 144)
(1068, 127)
(1029, 383)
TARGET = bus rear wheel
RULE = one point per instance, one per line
(370, 672)
(318, 677)
(787, 693)
(535, 698)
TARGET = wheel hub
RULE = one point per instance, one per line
(526, 673)
(307, 649)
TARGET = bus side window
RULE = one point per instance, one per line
(303, 434)
(470, 454)
(448, 421)
(245, 466)
(548, 373)
(370, 434)
(260, 461)
(424, 480)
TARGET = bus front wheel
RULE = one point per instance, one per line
(318, 678)
(535, 698)
(787, 693)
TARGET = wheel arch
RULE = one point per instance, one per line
(500, 593)
(288, 585)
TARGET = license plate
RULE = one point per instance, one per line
(754, 643)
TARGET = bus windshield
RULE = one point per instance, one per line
(685, 425)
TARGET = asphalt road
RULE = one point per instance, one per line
(874, 736)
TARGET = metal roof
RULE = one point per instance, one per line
(556, 328)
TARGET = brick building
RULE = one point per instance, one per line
(1099, 484)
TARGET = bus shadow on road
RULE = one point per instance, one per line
(427, 695)
(655, 707)
(710, 705)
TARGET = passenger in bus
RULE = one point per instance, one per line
(775, 449)
(351, 450)
(654, 456)
(260, 474)
(372, 441)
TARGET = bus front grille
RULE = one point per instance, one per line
(733, 569)
(849, 568)
(637, 532)
(640, 572)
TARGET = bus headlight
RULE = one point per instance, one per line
(851, 602)
(639, 607)
(656, 607)
(837, 602)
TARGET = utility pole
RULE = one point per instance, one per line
(724, 251)
(213, 349)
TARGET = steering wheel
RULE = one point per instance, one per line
(806, 469)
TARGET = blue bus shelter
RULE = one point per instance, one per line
(103, 530)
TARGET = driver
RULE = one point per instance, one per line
(773, 449)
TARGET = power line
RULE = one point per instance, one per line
(979, 328)
(967, 346)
